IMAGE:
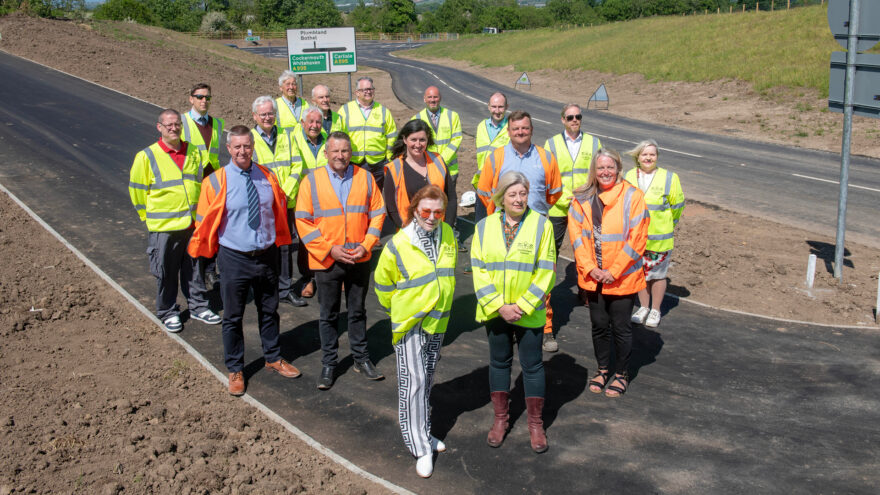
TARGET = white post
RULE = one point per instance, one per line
(877, 306)
(811, 271)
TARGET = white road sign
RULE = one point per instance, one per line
(322, 50)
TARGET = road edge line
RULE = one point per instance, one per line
(735, 311)
(311, 442)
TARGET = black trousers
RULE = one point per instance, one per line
(610, 316)
(286, 276)
(355, 278)
(560, 226)
(242, 272)
(378, 171)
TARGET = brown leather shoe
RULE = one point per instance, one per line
(501, 405)
(236, 383)
(308, 290)
(537, 436)
(284, 368)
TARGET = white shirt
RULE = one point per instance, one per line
(574, 145)
(645, 179)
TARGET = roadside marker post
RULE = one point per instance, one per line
(811, 271)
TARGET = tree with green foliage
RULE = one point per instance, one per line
(459, 16)
(397, 16)
(298, 13)
(179, 15)
(364, 19)
(121, 10)
(573, 12)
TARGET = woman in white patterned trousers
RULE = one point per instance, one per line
(415, 284)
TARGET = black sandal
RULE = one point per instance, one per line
(618, 391)
(594, 382)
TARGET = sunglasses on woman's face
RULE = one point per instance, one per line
(569, 118)
(426, 213)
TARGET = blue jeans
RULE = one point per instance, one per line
(502, 336)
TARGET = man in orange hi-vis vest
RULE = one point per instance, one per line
(339, 215)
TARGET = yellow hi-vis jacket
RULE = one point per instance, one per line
(447, 136)
(191, 134)
(164, 196)
(281, 162)
(573, 172)
(485, 146)
(286, 118)
(521, 275)
(372, 138)
(411, 288)
(303, 152)
(665, 201)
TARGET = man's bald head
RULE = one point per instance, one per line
(432, 98)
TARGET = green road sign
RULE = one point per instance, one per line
(252, 38)
(310, 62)
(343, 58)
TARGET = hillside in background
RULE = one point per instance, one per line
(766, 49)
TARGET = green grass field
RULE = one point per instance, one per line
(767, 49)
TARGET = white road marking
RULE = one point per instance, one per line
(634, 142)
(835, 182)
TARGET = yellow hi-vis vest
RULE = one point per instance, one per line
(336, 123)
(191, 134)
(485, 146)
(447, 136)
(280, 162)
(522, 275)
(665, 201)
(412, 289)
(372, 138)
(164, 196)
(573, 172)
(303, 152)
(286, 118)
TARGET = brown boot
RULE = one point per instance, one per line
(534, 409)
(501, 403)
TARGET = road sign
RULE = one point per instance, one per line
(869, 23)
(252, 38)
(599, 96)
(523, 79)
(866, 85)
(322, 50)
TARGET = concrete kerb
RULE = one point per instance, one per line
(204, 362)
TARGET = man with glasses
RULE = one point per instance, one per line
(274, 149)
(201, 129)
(372, 130)
(573, 150)
(290, 105)
(164, 185)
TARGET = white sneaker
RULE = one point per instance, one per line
(207, 316)
(173, 324)
(653, 319)
(437, 445)
(425, 465)
(640, 315)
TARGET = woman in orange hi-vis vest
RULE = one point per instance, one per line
(608, 227)
(412, 168)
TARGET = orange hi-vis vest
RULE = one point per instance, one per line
(323, 222)
(205, 240)
(491, 171)
(623, 237)
(436, 175)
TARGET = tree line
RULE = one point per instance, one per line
(389, 16)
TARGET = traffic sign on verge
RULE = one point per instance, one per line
(868, 30)
(523, 79)
(322, 50)
(866, 85)
(599, 96)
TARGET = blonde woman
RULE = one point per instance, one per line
(608, 228)
(665, 201)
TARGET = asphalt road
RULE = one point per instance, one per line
(719, 402)
(789, 185)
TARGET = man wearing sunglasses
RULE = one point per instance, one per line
(164, 185)
(201, 129)
(573, 150)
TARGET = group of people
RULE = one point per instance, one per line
(318, 183)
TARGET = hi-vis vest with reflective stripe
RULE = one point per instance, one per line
(191, 134)
(303, 152)
(447, 136)
(624, 233)
(322, 222)
(485, 146)
(371, 139)
(523, 275)
(285, 167)
(163, 196)
(665, 201)
(411, 288)
(205, 240)
(286, 118)
(436, 176)
(573, 172)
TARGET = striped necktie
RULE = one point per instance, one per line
(253, 200)
(435, 118)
